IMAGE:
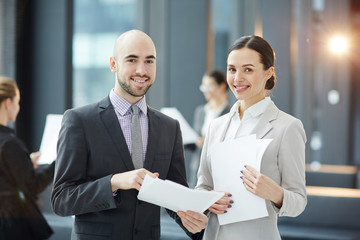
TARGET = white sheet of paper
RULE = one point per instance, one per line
(176, 197)
(227, 160)
(188, 133)
(50, 138)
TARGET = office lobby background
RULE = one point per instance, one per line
(58, 51)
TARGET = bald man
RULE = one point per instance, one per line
(95, 178)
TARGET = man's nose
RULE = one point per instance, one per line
(141, 69)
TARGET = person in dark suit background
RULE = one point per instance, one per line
(20, 218)
(95, 177)
(215, 90)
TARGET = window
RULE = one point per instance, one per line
(7, 38)
(222, 23)
(97, 24)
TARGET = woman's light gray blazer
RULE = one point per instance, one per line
(283, 161)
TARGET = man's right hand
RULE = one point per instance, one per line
(130, 180)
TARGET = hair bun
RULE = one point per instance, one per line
(270, 83)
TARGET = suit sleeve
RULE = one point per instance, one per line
(292, 165)
(21, 168)
(177, 171)
(73, 193)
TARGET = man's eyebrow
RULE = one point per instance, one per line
(131, 56)
(135, 56)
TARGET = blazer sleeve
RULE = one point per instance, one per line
(21, 169)
(291, 160)
(72, 190)
(199, 115)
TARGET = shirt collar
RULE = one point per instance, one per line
(253, 111)
(122, 106)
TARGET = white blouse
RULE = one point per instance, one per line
(243, 127)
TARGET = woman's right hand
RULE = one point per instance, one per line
(221, 206)
(34, 158)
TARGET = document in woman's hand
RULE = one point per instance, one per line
(227, 160)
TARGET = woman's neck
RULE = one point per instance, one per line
(244, 105)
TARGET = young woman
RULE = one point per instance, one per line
(281, 180)
(20, 218)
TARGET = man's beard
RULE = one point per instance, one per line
(126, 87)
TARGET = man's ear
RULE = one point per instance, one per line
(5, 104)
(112, 65)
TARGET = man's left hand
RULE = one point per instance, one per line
(193, 221)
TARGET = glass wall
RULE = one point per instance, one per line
(222, 24)
(97, 24)
(222, 19)
(7, 38)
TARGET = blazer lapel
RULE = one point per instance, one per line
(111, 123)
(224, 128)
(152, 139)
(264, 125)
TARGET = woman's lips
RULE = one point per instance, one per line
(241, 88)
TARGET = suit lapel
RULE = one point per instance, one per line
(111, 123)
(153, 139)
(264, 125)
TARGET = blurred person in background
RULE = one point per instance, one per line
(20, 178)
(215, 90)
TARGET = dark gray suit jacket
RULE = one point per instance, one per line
(91, 148)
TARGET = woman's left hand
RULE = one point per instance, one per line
(262, 186)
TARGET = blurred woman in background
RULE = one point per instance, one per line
(20, 217)
(215, 90)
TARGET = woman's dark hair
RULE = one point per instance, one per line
(8, 88)
(219, 77)
(266, 52)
